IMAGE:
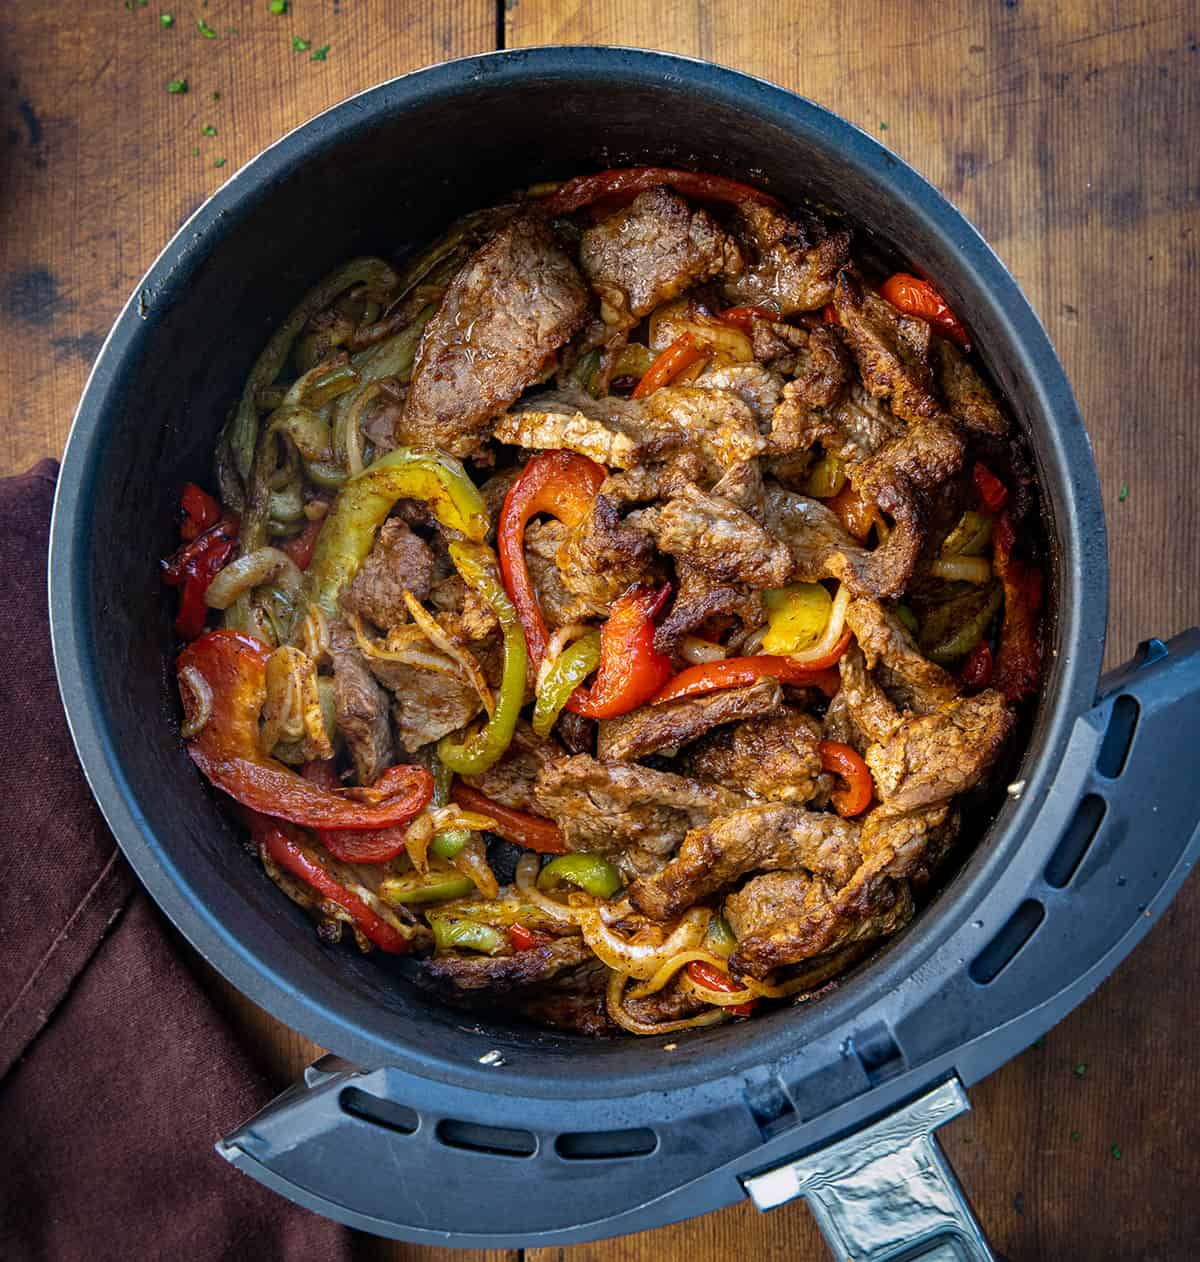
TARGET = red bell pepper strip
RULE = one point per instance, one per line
(181, 564)
(859, 788)
(302, 546)
(854, 512)
(711, 977)
(917, 297)
(193, 567)
(631, 669)
(297, 859)
(993, 494)
(563, 484)
(226, 748)
(523, 939)
(743, 317)
(1019, 659)
(829, 314)
(682, 353)
(733, 672)
(519, 827)
(200, 511)
(584, 189)
(377, 846)
(976, 672)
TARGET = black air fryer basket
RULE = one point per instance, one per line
(426, 1125)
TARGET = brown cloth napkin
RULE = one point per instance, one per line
(117, 1074)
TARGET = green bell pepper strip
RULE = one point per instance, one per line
(451, 933)
(906, 616)
(480, 570)
(365, 501)
(448, 844)
(435, 888)
(718, 938)
(593, 875)
(949, 631)
(574, 664)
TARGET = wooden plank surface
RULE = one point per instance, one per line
(1065, 131)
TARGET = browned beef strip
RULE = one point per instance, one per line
(560, 606)
(510, 782)
(775, 342)
(609, 430)
(758, 838)
(855, 427)
(653, 727)
(892, 350)
(716, 537)
(791, 260)
(861, 713)
(968, 400)
(909, 678)
(398, 560)
(426, 705)
(573, 1001)
(758, 387)
(717, 425)
(774, 758)
(361, 706)
(483, 977)
(602, 555)
(624, 810)
(652, 250)
(698, 598)
(511, 306)
(672, 1003)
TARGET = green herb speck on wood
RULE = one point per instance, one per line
(196, 152)
(216, 96)
(1081, 1069)
(279, 7)
(300, 45)
(1123, 494)
(1116, 1152)
(177, 87)
(883, 126)
(1075, 1137)
(220, 162)
(203, 27)
(321, 53)
(208, 130)
(166, 19)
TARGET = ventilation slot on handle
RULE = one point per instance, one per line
(606, 1145)
(1081, 831)
(395, 1117)
(1122, 724)
(495, 1141)
(1000, 952)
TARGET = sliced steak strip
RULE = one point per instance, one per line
(398, 560)
(483, 977)
(507, 311)
(775, 758)
(700, 597)
(602, 555)
(674, 723)
(560, 605)
(608, 431)
(510, 782)
(758, 387)
(791, 261)
(968, 400)
(855, 427)
(426, 705)
(759, 838)
(910, 679)
(361, 706)
(652, 250)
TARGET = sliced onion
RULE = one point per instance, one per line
(314, 635)
(641, 960)
(614, 1001)
(721, 998)
(264, 565)
(472, 862)
(199, 710)
(833, 630)
(558, 641)
(441, 639)
(753, 642)
(962, 569)
(407, 654)
(671, 967)
(694, 649)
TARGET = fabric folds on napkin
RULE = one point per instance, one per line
(117, 1073)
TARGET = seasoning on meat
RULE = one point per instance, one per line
(399, 561)
(361, 706)
(774, 757)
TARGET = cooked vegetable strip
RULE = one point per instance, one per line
(366, 500)
(478, 568)
(743, 317)
(1019, 659)
(519, 827)
(449, 843)
(680, 355)
(592, 873)
(451, 933)
(622, 181)
(294, 857)
(916, 297)
(993, 494)
(570, 668)
(733, 672)
(434, 888)
(631, 669)
(859, 788)
(562, 484)
(200, 511)
(194, 568)
(226, 749)
(709, 977)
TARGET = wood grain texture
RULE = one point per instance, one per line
(1066, 132)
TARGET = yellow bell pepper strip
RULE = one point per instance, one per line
(827, 478)
(435, 888)
(631, 669)
(574, 664)
(562, 484)
(451, 933)
(591, 873)
(365, 501)
(796, 616)
(477, 565)
(859, 788)
(225, 748)
(522, 829)
(294, 857)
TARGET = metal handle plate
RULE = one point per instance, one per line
(885, 1193)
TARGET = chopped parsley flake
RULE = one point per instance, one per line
(1039, 1043)
(1075, 1137)
(883, 126)
(301, 45)
(208, 130)
(220, 162)
(196, 152)
(231, 30)
(216, 96)
(207, 31)
(1116, 1152)
(278, 7)
(321, 53)
(166, 19)
(1081, 1069)
(1123, 494)
(177, 87)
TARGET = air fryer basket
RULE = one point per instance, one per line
(438, 1129)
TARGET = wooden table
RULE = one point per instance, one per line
(1066, 131)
